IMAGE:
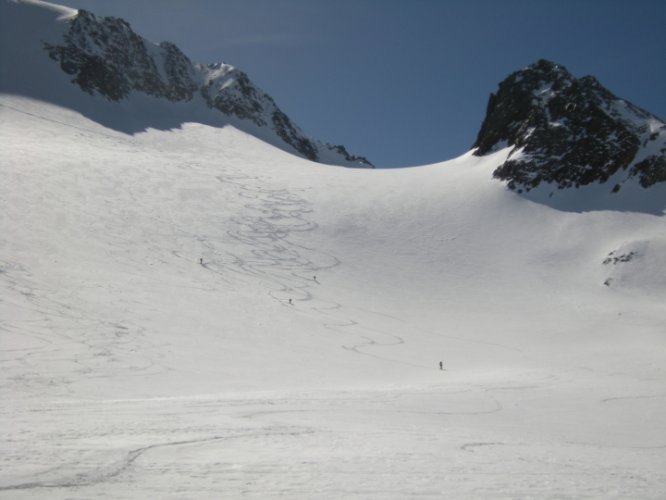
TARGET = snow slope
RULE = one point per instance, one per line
(299, 357)
(130, 369)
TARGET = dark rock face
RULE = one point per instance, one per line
(290, 135)
(651, 170)
(235, 96)
(569, 132)
(180, 74)
(341, 150)
(105, 57)
(230, 91)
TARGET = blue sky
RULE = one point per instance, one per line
(406, 82)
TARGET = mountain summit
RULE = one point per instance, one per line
(570, 132)
(105, 57)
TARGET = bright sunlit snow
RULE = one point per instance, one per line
(131, 369)
(193, 313)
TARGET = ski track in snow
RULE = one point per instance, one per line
(283, 442)
(107, 473)
(273, 216)
(61, 327)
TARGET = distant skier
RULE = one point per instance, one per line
(201, 260)
(441, 365)
(290, 302)
(314, 278)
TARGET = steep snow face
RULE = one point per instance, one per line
(104, 57)
(568, 132)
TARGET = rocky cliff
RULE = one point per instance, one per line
(570, 132)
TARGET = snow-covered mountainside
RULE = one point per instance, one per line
(570, 132)
(103, 56)
(188, 311)
(195, 313)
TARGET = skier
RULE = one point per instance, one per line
(201, 260)
(441, 365)
(290, 302)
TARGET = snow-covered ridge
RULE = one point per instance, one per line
(105, 57)
(570, 132)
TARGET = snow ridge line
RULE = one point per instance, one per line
(51, 120)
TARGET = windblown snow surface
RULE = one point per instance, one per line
(188, 312)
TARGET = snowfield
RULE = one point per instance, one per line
(130, 369)
(189, 312)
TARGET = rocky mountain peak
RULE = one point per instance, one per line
(105, 57)
(569, 132)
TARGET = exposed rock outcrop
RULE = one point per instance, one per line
(569, 132)
(105, 57)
